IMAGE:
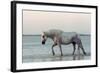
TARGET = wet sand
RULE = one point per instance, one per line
(44, 58)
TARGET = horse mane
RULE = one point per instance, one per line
(53, 32)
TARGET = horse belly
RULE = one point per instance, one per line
(67, 38)
(66, 41)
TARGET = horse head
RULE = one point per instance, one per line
(43, 38)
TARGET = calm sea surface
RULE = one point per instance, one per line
(34, 51)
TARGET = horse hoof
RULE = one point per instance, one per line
(61, 54)
(84, 53)
(72, 53)
(53, 54)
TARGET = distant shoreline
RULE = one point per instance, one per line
(40, 35)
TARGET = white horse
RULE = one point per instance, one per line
(59, 37)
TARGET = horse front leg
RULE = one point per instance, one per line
(74, 47)
(60, 50)
(53, 49)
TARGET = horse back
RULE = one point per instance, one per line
(66, 37)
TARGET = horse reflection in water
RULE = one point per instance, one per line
(62, 38)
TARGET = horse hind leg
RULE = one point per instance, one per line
(81, 46)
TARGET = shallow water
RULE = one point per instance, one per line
(34, 51)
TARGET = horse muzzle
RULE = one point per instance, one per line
(43, 42)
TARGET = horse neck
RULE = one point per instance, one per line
(52, 36)
(49, 36)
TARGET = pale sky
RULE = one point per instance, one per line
(35, 22)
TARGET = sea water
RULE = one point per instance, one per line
(34, 51)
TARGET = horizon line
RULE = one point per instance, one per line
(40, 34)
